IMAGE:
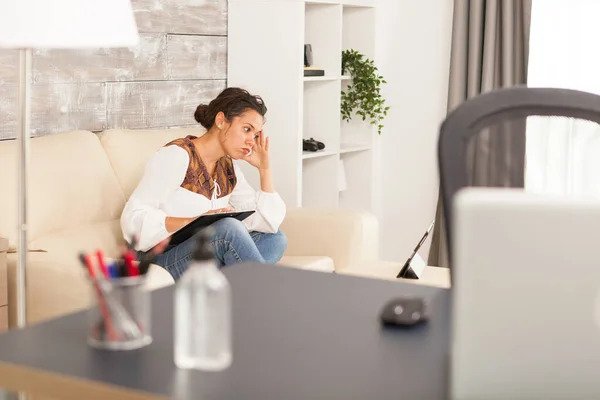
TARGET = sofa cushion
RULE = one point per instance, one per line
(57, 285)
(344, 235)
(309, 263)
(67, 243)
(71, 183)
(129, 150)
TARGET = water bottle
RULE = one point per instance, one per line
(202, 330)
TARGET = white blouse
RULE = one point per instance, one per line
(159, 194)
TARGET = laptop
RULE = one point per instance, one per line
(526, 296)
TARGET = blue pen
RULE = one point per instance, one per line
(112, 270)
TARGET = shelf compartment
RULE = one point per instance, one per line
(320, 78)
(320, 182)
(357, 131)
(323, 31)
(358, 30)
(358, 174)
(317, 154)
(321, 119)
(353, 147)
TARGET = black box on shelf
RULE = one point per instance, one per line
(310, 71)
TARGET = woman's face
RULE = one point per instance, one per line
(239, 135)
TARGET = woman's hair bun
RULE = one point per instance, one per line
(232, 102)
(201, 116)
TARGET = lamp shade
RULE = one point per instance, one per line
(76, 24)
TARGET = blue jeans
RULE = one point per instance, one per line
(232, 244)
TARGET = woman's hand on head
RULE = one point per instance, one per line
(259, 158)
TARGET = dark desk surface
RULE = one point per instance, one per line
(297, 335)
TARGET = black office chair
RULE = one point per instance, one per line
(496, 107)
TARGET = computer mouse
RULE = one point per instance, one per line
(404, 311)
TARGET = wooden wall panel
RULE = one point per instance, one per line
(200, 57)
(8, 110)
(181, 60)
(201, 17)
(147, 61)
(55, 108)
(68, 106)
(8, 66)
(158, 104)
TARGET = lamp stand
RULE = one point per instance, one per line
(24, 131)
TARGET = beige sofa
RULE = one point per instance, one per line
(78, 185)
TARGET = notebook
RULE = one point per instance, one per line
(189, 230)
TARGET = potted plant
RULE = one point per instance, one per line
(363, 95)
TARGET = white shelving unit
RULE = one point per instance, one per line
(265, 55)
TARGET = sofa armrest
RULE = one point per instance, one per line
(55, 286)
(3, 283)
(345, 236)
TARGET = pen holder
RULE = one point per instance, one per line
(120, 317)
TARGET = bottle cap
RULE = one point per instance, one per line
(203, 249)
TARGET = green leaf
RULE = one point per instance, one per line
(363, 98)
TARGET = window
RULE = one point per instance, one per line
(563, 155)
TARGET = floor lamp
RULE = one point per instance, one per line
(53, 24)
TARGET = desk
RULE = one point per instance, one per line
(297, 335)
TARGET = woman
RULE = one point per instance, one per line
(198, 175)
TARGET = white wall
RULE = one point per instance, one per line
(413, 55)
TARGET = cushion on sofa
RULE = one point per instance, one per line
(309, 263)
(105, 236)
(71, 183)
(130, 150)
(57, 285)
(345, 236)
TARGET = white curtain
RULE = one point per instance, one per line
(563, 155)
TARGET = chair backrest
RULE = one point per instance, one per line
(474, 115)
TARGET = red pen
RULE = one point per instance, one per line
(102, 304)
(87, 261)
(102, 264)
(129, 258)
